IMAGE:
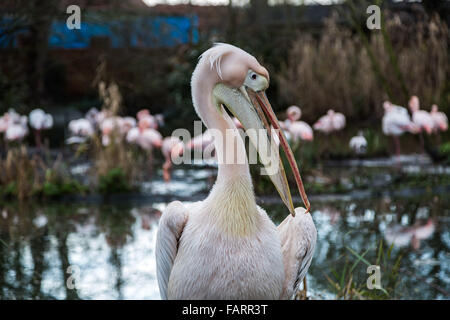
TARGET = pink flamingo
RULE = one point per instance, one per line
(440, 120)
(15, 125)
(201, 141)
(39, 120)
(171, 147)
(107, 126)
(332, 121)
(16, 132)
(81, 127)
(146, 120)
(126, 124)
(396, 121)
(421, 118)
(297, 129)
(147, 139)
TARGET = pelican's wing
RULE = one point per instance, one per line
(170, 228)
(298, 237)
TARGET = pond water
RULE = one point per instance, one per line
(75, 250)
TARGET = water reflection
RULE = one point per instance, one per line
(111, 248)
(402, 236)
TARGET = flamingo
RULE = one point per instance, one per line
(170, 147)
(203, 142)
(81, 127)
(146, 138)
(146, 120)
(39, 120)
(332, 121)
(126, 124)
(80, 130)
(16, 126)
(16, 132)
(93, 116)
(107, 126)
(298, 130)
(440, 120)
(396, 121)
(358, 143)
(122, 125)
(421, 118)
(226, 246)
(96, 117)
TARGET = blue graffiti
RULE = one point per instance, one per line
(137, 33)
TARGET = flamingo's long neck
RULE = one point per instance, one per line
(232, 199)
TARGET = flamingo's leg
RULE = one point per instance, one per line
(166, 170)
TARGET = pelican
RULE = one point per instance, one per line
(226, 246)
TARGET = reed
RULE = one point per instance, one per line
(355, 72)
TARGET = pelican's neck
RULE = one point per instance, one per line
(232, 195)
(231, 146)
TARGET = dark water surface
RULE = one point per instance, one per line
(106, 251)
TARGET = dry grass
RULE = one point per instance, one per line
(335, 71)
(19, 173)
(116, 155)
(23, 176)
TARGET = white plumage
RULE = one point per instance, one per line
(358, 143)
(39, 120)
(226, 247)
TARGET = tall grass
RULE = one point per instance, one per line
(336, 71)
(115, 165)
(349, 282)
(23, 176)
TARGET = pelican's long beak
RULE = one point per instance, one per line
(263, 107)
(254, 111)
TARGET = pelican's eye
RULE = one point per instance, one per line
(256, 81)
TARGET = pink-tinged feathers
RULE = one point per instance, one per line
(332, 121)
(396, 120)
(421, 118)
(226, 247)
(296, 130)
(440, 119)
(81, 127)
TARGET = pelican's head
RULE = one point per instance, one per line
(434, 108)
(293, 113)
(239, 83)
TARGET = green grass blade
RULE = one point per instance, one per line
(359, 256)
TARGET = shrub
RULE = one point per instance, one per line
(114, 181)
